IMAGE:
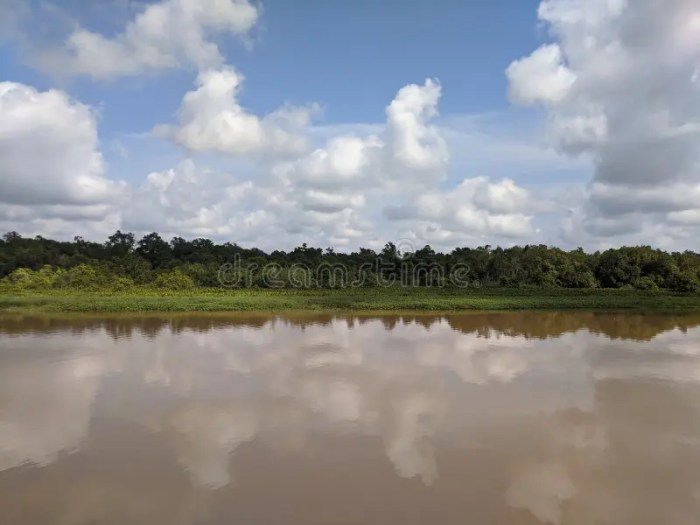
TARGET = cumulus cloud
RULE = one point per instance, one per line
(52, 174)
(322, 201)
(320, 196)
(166, 34)
(51, 169)
(540, 77)
(477, 207)
(402, 161)
(212, 119)
(619, 84)
(414, 143)
(48, 149)
(346, 160)
(191, 200)
(280, 193)
(60, 221)
(332, 194)
(408, 149)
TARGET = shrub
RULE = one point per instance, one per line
(21, 278)
(174, 280)
(81, 276)
(572, 277)
(202, 275)
(28, 279)
(120, 282)
(685, 282)
(646, 283)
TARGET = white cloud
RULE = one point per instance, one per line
(617, 82)
(323, 201)
(333, 195)
(477, 208)
(48, 149)
(500, 197)
(401, 161)
(61, 221)
(617, 85)
(278, 195)
(578, 15)
(540, 77)
(346, 160)
(414, 143)
(190, 200)
(690, 217)
(212, 119)
(614, 199)
(409, 149)
(164, 35)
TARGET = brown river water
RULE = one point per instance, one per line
(512, 418)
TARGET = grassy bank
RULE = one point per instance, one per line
(371, 299)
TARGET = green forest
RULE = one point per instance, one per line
(123, 262)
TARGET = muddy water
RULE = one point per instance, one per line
(566, 418)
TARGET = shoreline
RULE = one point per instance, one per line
(374, 300)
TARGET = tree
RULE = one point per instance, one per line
(120, 261)
(155, 250)
(120, 244)
(11, 237)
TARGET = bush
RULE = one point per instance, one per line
(21, 278)
(81, 276)
(685, 282)
(646, 283)
(201, 275)
(28, 279)
(174, 280)
(577, 278)
(134, 267)
(119, 282)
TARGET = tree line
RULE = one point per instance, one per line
(123, 261)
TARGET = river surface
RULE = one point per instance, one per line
(514, 418)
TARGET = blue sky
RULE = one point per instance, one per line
(501, 132)
(350, 57)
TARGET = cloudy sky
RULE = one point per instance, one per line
(346, 124)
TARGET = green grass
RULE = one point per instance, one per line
(356, 299)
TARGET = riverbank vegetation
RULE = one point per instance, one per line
(124, 264)
(150, 299)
